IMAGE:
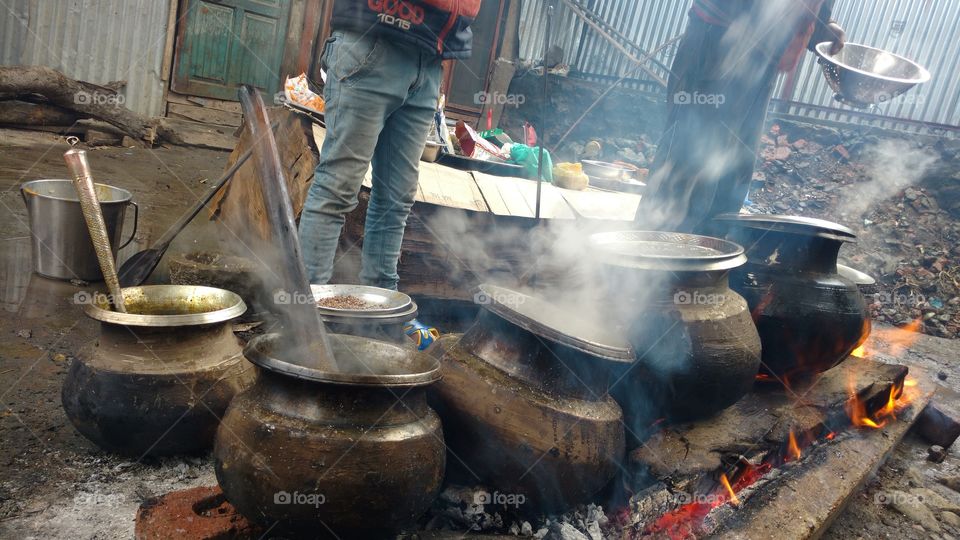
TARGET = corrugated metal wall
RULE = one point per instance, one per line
(927, 31)
(93, 40)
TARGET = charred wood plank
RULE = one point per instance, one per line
(939, 424)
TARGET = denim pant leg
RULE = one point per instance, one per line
(396, 173)
(362, 88)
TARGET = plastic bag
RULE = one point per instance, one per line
(529, 158)
(297, 90)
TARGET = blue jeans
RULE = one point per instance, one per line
(381, 96)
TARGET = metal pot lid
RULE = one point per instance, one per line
(365, 318)
(376, 301)
(856, 276)
(790, 224)
(667, 251)
(361, 361)
(163, 306)
(552, 323)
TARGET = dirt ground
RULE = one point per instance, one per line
(55, 484)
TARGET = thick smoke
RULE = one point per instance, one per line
(892, 165)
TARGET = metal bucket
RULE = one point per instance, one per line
(62, 248)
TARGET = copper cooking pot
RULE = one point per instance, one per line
(810, 316)
(159, 377)
(524, 398)
(698, 351)
(357, 452)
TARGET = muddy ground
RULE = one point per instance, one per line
(55, 484)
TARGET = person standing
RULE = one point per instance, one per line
(383, 64)
(720, 86)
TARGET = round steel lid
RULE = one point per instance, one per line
(790, 224)
(554, 324)
(667, 251)
(360, 361)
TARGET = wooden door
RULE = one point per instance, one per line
(222, 44)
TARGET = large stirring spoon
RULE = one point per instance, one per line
(90, 205)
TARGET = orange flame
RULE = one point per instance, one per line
(891, 341)
(793, 449)
(900, 397)
(726, 485)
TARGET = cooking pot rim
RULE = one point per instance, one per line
(728, 255)
(424, 369)
(228, 306)
(800, 225)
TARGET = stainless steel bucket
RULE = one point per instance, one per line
(62, 248)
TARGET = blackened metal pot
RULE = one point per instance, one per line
(698, 351)
(357, 453)
(158, 378)
(525, 404)
(809, 315)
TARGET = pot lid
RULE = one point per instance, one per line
(359, 301)
(556, 324)
(361, 362)
(667, 251)
(790, 224)
(165, 306)
(856, 276)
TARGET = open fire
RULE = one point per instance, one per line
(687, 521)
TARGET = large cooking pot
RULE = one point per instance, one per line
(524, 398)
(697, 349)
(357, 452)
(159, 377)
(809, 315)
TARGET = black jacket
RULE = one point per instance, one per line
(441, 26)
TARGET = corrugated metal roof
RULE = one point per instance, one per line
(926, 31)
(98, 41)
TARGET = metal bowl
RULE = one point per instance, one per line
(864, 76)
(602, 169)
(382, 301)
(667, 251)
(168, 306)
